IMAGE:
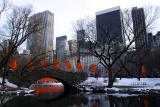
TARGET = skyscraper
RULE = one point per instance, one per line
(72, 46)
(156, 41)
(80, 42)
(42, 41)
(81, 35)
(139, 28)
(62, 49)
(109, 25)
(62, 45)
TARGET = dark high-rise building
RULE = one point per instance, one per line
(149, 41)
(156, 41)
(62, 46)
(81, 35)
(139, 26)
(42, 41)
(62, 49)
(72, 46)
(80, 41)
(109, 25)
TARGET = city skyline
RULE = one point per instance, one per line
(68, 11)
(110, 57)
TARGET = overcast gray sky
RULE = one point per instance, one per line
(67, 11)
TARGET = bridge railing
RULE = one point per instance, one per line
(46, 59)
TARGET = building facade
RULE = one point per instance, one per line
(62, 49)
(72, 47)
(81, 35)
(42, 41)
(80, 42)
(109, 25)
(156, 41)
(86, 59)
(139, 27)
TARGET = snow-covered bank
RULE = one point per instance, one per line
(130, 82)
(124, 85)
(144, 90)
(119, 95)
(8, 84)
(134, 82)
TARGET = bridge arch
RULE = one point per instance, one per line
(66, 86)
(68, 79)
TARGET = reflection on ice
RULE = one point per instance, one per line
(47, 88)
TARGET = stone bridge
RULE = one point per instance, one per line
(66, 78)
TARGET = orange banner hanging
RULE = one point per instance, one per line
(92, 68)
(79, 66)
(67, 65)
(30, 65)
(55, 65)
(43, 62)
(12, 64)
(143, 71)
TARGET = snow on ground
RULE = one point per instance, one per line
(124, 85)
(119, 95)
(91, 81)
(147, 82)
(9, 84)
(131, 82)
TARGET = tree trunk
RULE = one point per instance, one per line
(3, 78)
(110, 81)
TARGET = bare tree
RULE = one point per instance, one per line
(138, 58)
(110, 52)
(18, 29)
(4, 5)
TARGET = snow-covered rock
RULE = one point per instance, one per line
(9, 84)
(25, 91)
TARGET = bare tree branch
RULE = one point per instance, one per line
(111, 52)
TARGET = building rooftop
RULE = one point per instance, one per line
(108, 10)
(46, 11)
(61, 37)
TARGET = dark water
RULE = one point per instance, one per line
(48, 92)
(83, 100)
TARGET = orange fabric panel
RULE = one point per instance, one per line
(55, 65)
(43, 62)
(30, 65)
(143, 71)
(79, 66)
(12, 64)
(92, 68)
(68, 65)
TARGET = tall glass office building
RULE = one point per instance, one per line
(62, 49)
(139, 27)
(109, 25)
(42, 41)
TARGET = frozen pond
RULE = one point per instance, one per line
(86, 100)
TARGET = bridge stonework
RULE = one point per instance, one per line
(67, 78)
